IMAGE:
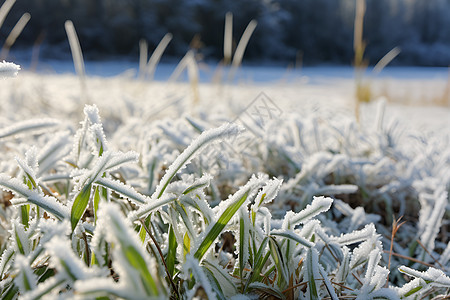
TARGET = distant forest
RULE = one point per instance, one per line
(306, 31)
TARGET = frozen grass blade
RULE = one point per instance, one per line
(77, 54)
(387, 58)
(48, 203)
(317, 206)
(150, 206)
(4, 10)
(289, 234)
(240, 49)
(244, 240)
(200, 276)
(228, 39)
(192, 150)
(217, 228)
(29, 126)
(156, 56)
(14, 34)
(312, 273)
(124, 190)
(143, 52)
(128, 248)
(26, 280)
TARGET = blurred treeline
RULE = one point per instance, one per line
(306, 31)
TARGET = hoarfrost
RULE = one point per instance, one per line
(8, 69)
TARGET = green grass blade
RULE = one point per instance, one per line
(260, 261)
(289, 234)
(277, 256)
(192, 150)
(244, 240)
(137, 261)
(96, 202)
(25, 214)
(217, 228)
(172, 254)
(186, 244)
(79, 205)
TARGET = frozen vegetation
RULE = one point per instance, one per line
(123, 188)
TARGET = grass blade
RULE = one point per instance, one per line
(238, 200)
(206, 138)
(79, 205)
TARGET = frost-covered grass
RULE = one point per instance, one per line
(129, 189)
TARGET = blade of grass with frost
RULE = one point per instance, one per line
(373, 259)
(432, 276)
(231, 206)
(187, 220)
(150, 206)
(260, 260)
(192, 150)
(4, 10)
(356, 236)
(266, 195)
(199, 275)
(122, 189)
(66, 261)
(10, 293)
(201, 183)
(201, 206)
(179, 69)
(48, 203)
(228, 39)
(278, 260)
(327, 282)
(387, 58)
(215, 285)
(77, 54)
(312, 274)
(362, 252)
(14, 34)
(156, 56)
(118, 159)
(289, 234)
(26, 280)
(57, 148)
(5, 260)
(28, 126)
(224, 279)
(119, 230)
(244, 239)
(143, 53)
(266, 289)
(44, 288)
(240, 49)
(21, 238)
(317, 206)
(433, 224)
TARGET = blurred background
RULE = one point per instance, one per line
(307, 32)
